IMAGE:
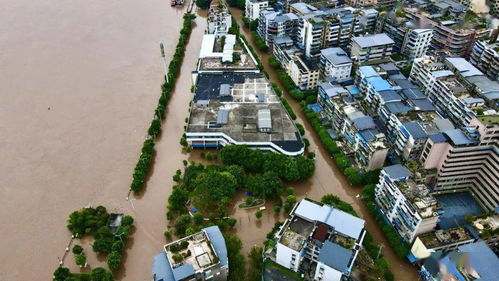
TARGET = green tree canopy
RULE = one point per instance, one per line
(212, 187)
(267, 185)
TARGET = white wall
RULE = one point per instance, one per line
(284, 255)
(329, 274)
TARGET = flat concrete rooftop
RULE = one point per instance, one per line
(248, 94)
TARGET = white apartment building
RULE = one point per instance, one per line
(253, 8)
(416, 42)
(321, 236)
(336, 64)
(371, 48)
(408, 206)
(467, 158)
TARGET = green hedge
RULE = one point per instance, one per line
(145, 160)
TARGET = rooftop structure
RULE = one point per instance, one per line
(202, 256)
(217, 54)
(253, 113)
(321, 236)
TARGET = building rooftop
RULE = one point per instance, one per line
(367, 71)
(441, 237)
(246, 99)
(464, 67)
(296, 233)
(457, 137)
(186, 257)
(415, 129)
(335, 256)
(419, 197)
(397, 171)
(489, 120)
(342, 222)
(379, 83)
(364, 122)
(336, 56)
(373, 40)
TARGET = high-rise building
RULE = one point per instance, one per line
(370, 48)
(467, 159)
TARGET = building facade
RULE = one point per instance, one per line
(485, 57)
(408, 206)
(467, 159)
(335, 64)
(370, 48)
(253, 8)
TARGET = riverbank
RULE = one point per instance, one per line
(328, 178)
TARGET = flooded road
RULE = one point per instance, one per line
(327, 179)
(79, 81)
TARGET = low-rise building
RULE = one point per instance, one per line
(408, 206)
(253, 8)
(219, 20)
(335, 64)
(371, 48)
(201, 256)
(319, 241)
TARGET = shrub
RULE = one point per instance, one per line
(77, 249)
(80, 259)
(127, 220)
(114, 260)
(258, 214)
(301, 129)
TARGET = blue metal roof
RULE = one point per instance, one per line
(413, 94)
(367, 71)
(369, 134)
(415, 129)
(423, 104)
(335, 256)
(483, 260)
(161, 269)
(458, 137)
(183, 271)
(390, 95)
(397, 107)
(365, 122)
(379, 83)
(218, 242)
(397, 171)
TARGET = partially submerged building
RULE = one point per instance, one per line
(319, 241)
(240, 108)
(201, 256)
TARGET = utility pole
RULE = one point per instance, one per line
(379, 251)
(161, 46)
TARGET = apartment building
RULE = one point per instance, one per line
(457, 89)
(335, 102)
(304, 73)
(467, 159)
(453, 33)
(274, 24)
(201, 256)
(408, 206)
(364, 139)
(485, 57)
(252, 8)
(371, 48)
(320, 29)
(474, 80)
(335, 64)
(410, 40)
(323, 238)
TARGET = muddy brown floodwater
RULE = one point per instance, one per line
(326, 179)
(79, 81)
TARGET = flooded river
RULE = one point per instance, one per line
(79, 81)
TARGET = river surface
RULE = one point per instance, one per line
(79, 81)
